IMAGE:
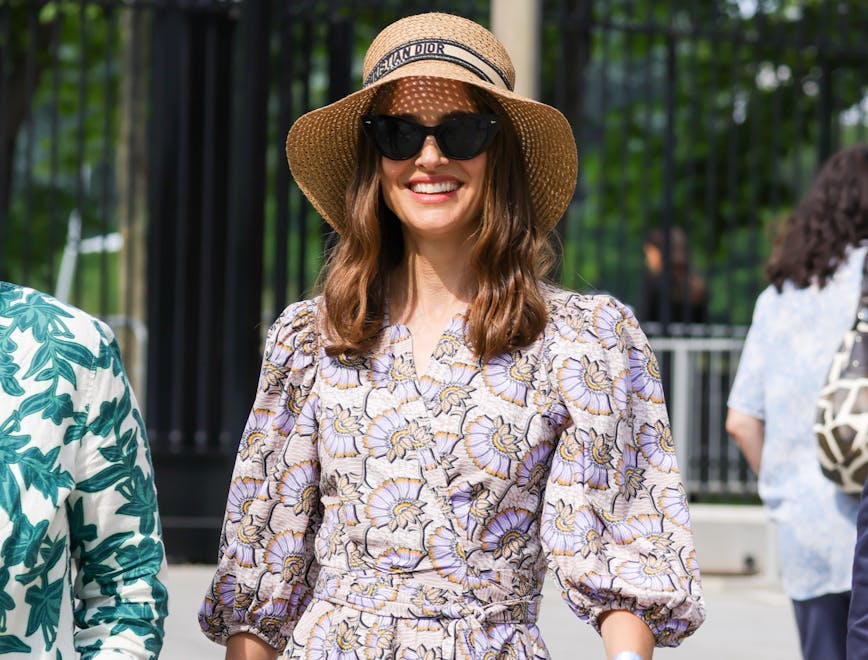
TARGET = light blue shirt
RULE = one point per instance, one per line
(786, 357)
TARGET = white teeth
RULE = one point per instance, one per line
(432, 188)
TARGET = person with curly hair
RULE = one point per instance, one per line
(815, 275)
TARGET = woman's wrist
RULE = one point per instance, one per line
(627, 655)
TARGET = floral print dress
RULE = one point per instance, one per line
(379, 513)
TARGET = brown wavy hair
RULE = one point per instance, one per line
(831, 216)
(509, 257)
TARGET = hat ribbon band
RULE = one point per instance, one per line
(437, 49)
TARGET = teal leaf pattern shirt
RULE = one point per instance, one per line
(81, 556)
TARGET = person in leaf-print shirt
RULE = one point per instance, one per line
(81, 553)
(440, 426)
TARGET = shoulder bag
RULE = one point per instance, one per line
(841, 423)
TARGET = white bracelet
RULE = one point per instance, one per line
(627, 655)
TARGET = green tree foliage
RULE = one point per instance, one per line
(61, 82)
(710, 116)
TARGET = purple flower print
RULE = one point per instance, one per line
(452, 393)
(594, 586)
(509, 376)
(334, 640)
(647, 572)
(586, 458)
(211, 618)
(573, 324)
(224, 590)
(667, 630)
(471, 503)
(568, 531)
(554, 413)
(597, 458)
(645, 374)
(644, 525)
(656, 445)
(285, 555)
(368, 596)
(389, 435)
(535, 465)
(673, 502)
(298, 600)
(446, 443)
(399, 559)
(692, 565)
(307, 424)
(242, 493)
(567, 465)
(379, 639)
(255, 434)
(630, 477)
(342, 371)
(422, 652)
(395, 504)
(586, 385)
(451, 339)
(270, 615)
(507, 534)
(610, 325)
(493, 445)
(298, 487)
(338, 432)
(396, 373)
(450, 561)
(248, 534)
(621, 395)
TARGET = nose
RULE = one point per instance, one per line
(430, 155)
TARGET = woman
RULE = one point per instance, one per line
(439, 425)
(816, 274)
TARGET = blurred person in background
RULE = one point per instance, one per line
(815, 275)
(81, 554)
(688, 298)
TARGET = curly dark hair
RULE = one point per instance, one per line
(831, 216)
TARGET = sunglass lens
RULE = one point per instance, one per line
(466, 137)
(396, 138)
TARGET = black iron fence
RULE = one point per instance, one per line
(142, 177)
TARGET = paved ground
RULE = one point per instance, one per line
(748, 619)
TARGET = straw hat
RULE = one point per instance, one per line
(322, 145)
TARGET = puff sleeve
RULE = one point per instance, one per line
(615, 525)
(266, 570)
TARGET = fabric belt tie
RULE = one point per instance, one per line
(465, 617)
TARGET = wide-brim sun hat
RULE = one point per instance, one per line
(322, 146)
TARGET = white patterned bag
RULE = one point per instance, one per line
(841, 424)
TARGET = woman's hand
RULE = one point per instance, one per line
(245, 646)
(624, 631)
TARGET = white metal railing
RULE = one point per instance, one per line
(697, 373)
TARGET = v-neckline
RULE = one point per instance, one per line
(406, 336)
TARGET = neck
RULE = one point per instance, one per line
(430, 285)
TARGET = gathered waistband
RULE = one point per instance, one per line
(405, 597)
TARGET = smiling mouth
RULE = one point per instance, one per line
(433, 188)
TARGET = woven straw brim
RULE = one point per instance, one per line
(322, 145)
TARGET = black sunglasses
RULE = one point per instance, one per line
(462, 138)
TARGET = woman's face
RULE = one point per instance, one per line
(434, 197)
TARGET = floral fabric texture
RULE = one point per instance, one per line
(80, 546)
(786, 356)
(377, 512)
